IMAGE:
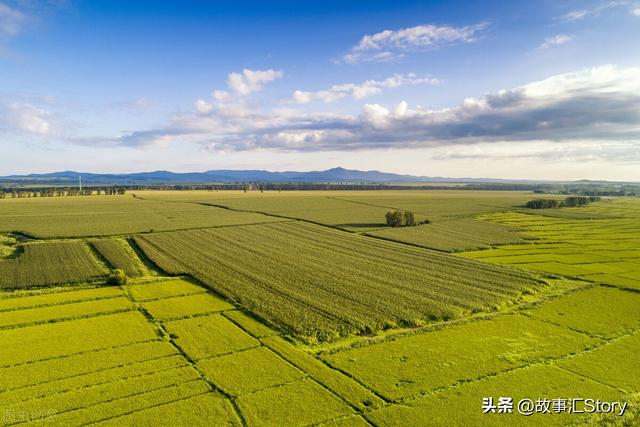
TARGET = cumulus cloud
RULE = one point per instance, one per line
(361, 90)
(555, 41)
(239, 86)
(250, 81)
(11, 20)
(392, 44)
(598, 105)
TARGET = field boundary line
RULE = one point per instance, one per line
(65, 319)
(98, 384)
(79, 353)
(55, 304)
(192, 363)
(129, 396)
(548, 361)
(122, 365)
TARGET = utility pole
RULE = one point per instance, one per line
(80, 183)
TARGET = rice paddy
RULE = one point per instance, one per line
(303, 320)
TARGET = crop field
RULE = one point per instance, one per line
(601, 250)
(45, 264)
(120, 255)
(279, 271)
(453, 235)
(303, 308)
(78, 216)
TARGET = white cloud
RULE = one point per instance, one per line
(580, 14)
(556, 40)
(592, 105)
(240, 85)
(392, 44)
(250, 81)
(26, 118)
(11, 20)
(361, 90)
(635, 11)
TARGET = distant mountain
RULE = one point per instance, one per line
(335, 175)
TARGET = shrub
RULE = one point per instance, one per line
(118, 277)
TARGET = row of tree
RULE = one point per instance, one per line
(569, 202)
(52, 192)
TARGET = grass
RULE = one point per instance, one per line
(306, 403)
(46, 264)
(209, 336)
(280, 272)
(249, 371)
(426, 362)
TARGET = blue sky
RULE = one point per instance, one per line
(539, 89)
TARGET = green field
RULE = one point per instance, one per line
(302, 308)
(280, 272)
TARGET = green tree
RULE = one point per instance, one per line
(409, 219)
(118, 278)
(395, 218)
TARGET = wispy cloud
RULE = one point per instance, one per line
(392, 44)
(25, 118)
(580, 14)
(636, 11)
(11, 20)
(556, 40)
(361, 90)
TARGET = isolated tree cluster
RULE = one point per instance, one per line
(402, 219)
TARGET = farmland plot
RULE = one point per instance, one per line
(590, 247)
(453, 235)
(83, 216)
(52, 263)
(119, 254)
(320, 283)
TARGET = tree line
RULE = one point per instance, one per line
(59, 192)
(569, 202)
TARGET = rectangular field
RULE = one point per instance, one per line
(51, 263)
(82, 216)
(319, 283)
(429, 361)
